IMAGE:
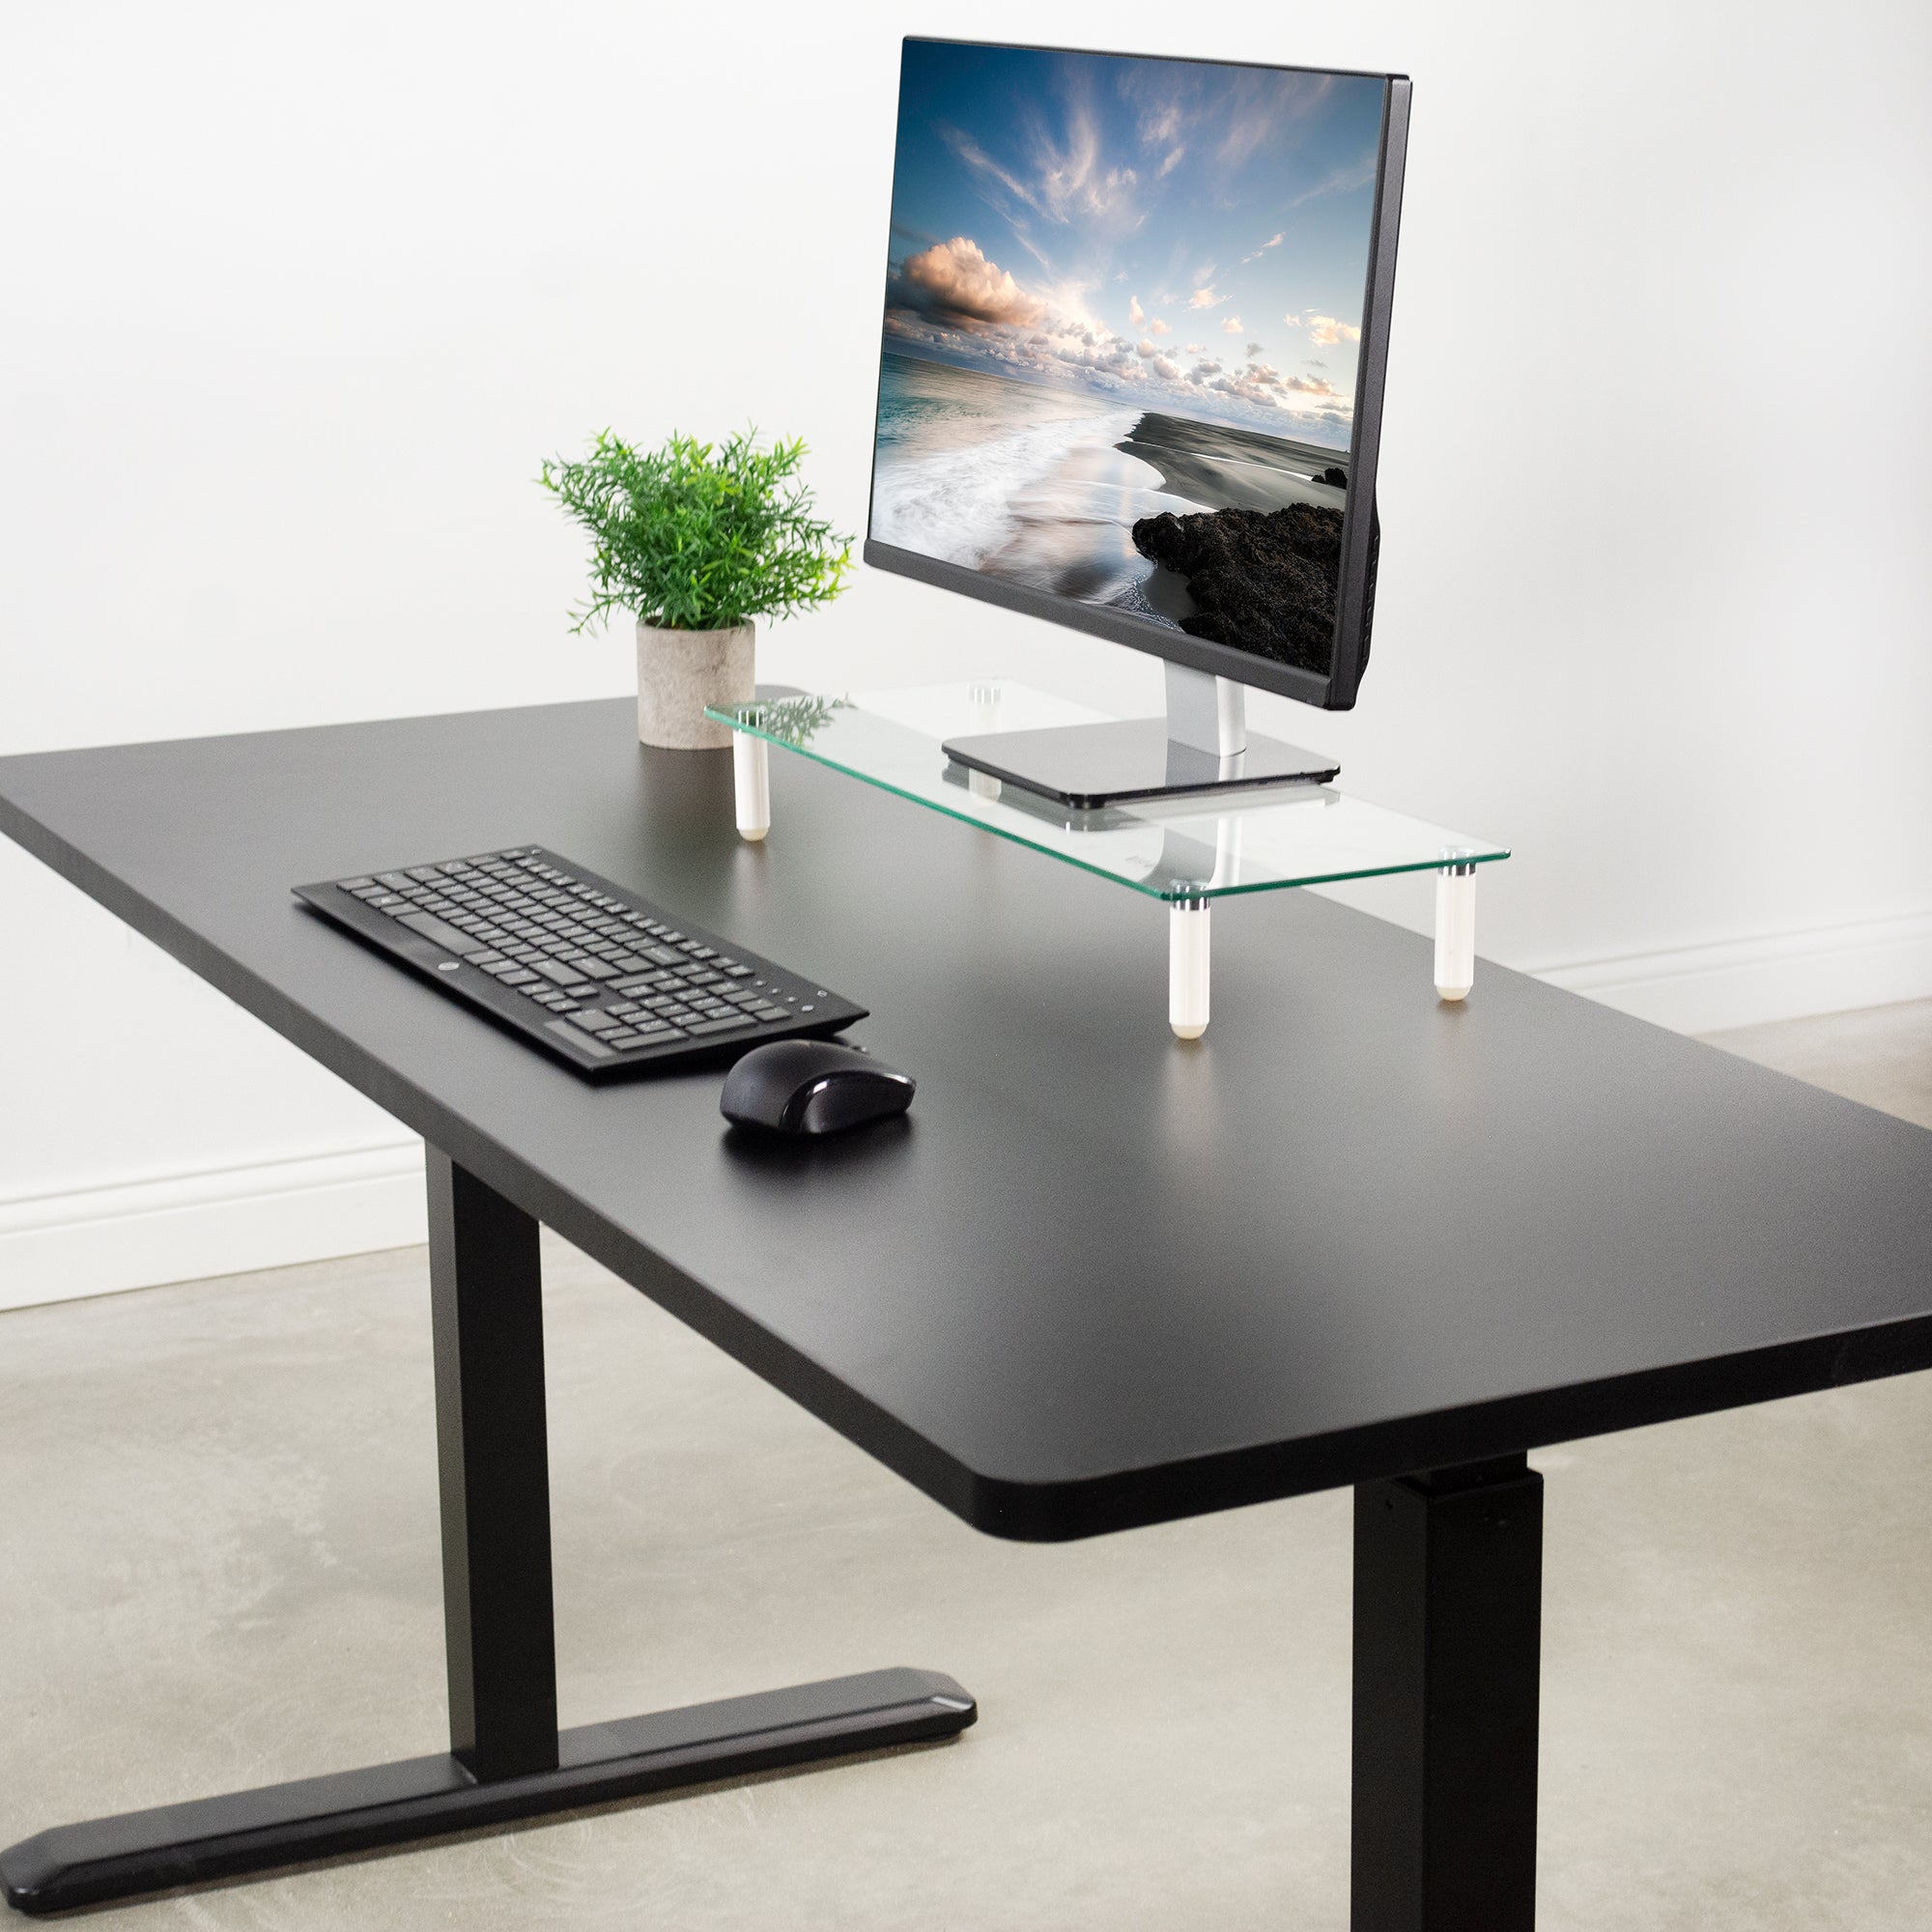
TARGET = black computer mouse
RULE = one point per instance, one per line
(812, 1087)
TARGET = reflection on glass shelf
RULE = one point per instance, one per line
(795, 721)
(1177, 849)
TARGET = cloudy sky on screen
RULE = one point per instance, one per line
(1188, 235)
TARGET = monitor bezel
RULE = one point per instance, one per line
(1337, 691)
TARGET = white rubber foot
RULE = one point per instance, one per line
(1188, 972)
(751, 779)
(1455, 933)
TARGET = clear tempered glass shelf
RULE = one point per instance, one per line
(1201, 848)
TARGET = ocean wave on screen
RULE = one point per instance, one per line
(1133, 598)
(960, 505)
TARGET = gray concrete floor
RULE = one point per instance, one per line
(221, 1522)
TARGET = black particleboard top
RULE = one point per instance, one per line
(1097, 1278)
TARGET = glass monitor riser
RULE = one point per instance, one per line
(1203, 745)
(1186, 853)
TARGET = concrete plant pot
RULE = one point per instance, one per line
(679, 673)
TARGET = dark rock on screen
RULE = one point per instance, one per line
(1259, 581)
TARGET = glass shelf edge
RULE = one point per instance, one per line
(1169, 895)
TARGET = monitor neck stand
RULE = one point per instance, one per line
(1209, 714)
(1203, 745)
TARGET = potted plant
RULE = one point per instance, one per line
(696, 541)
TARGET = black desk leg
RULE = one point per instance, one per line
(506, 1759)
(1448, 1629)
(493, 1454)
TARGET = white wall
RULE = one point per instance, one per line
(296, 297)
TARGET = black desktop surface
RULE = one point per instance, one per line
(1096, 1278)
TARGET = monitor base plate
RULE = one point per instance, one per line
(1123, 761)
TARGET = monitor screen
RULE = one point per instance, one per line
(1130, 377)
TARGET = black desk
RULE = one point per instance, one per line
(1097, 1280)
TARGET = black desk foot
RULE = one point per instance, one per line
(424, 1797)
(507, 1758)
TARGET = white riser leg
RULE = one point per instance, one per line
(1187, 969)
(751, 778)
(1455, 932)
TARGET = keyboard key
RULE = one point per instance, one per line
(735, 968)
(555, 970)
(574, 1036)
(441, 933)
(704, 1029)
(599, 1022)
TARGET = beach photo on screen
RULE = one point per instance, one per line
(1121, 322)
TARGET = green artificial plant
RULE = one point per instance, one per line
(697, 537)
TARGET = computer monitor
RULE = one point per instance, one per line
(1136, 321)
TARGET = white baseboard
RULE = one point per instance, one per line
(98, 1241)
(1751, 981)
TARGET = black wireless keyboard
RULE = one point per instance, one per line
(600, 979)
